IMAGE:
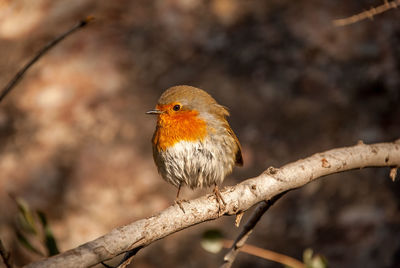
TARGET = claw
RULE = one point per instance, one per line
(179, 203)
(220, 200)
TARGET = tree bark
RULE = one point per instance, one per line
(239, 198)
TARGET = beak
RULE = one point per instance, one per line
(154, 111)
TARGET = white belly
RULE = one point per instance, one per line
(196, 164)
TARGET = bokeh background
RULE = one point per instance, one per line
(75, 140)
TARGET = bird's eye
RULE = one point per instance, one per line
(176, 107)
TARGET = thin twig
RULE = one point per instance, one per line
(393, 173)
(248, 229)
(267, 254)
(46, 48)
(126, 260)
(128, 257)
(368, 14)
(5, 256)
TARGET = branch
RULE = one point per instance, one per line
(13, 82)
(248, 229)
(368, 14)
(268, 255)
(238, 198)
(393, 173)
(5, 256)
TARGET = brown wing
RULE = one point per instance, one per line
(238, 156)
(223, 112)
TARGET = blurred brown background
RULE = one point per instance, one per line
(75, 140)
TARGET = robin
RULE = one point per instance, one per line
(193, 143)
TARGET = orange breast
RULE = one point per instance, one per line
(176, 127)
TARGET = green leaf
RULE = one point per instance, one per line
(307, 255)
(317, 261)
(49, 239)
(25, 242)
(212, 241)
(25, 216)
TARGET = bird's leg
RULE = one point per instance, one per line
(219, 198)
(179, 190)
(179, 201)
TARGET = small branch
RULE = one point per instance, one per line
(129, 257)
(368, 14)
(268, 255)
(126, 260)
(248, 229)
(238, 198)
(393, 173)
(13, 82)
(5, 256)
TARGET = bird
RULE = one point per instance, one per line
(193, 143)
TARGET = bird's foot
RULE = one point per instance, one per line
(179, 203)
(220, 200)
